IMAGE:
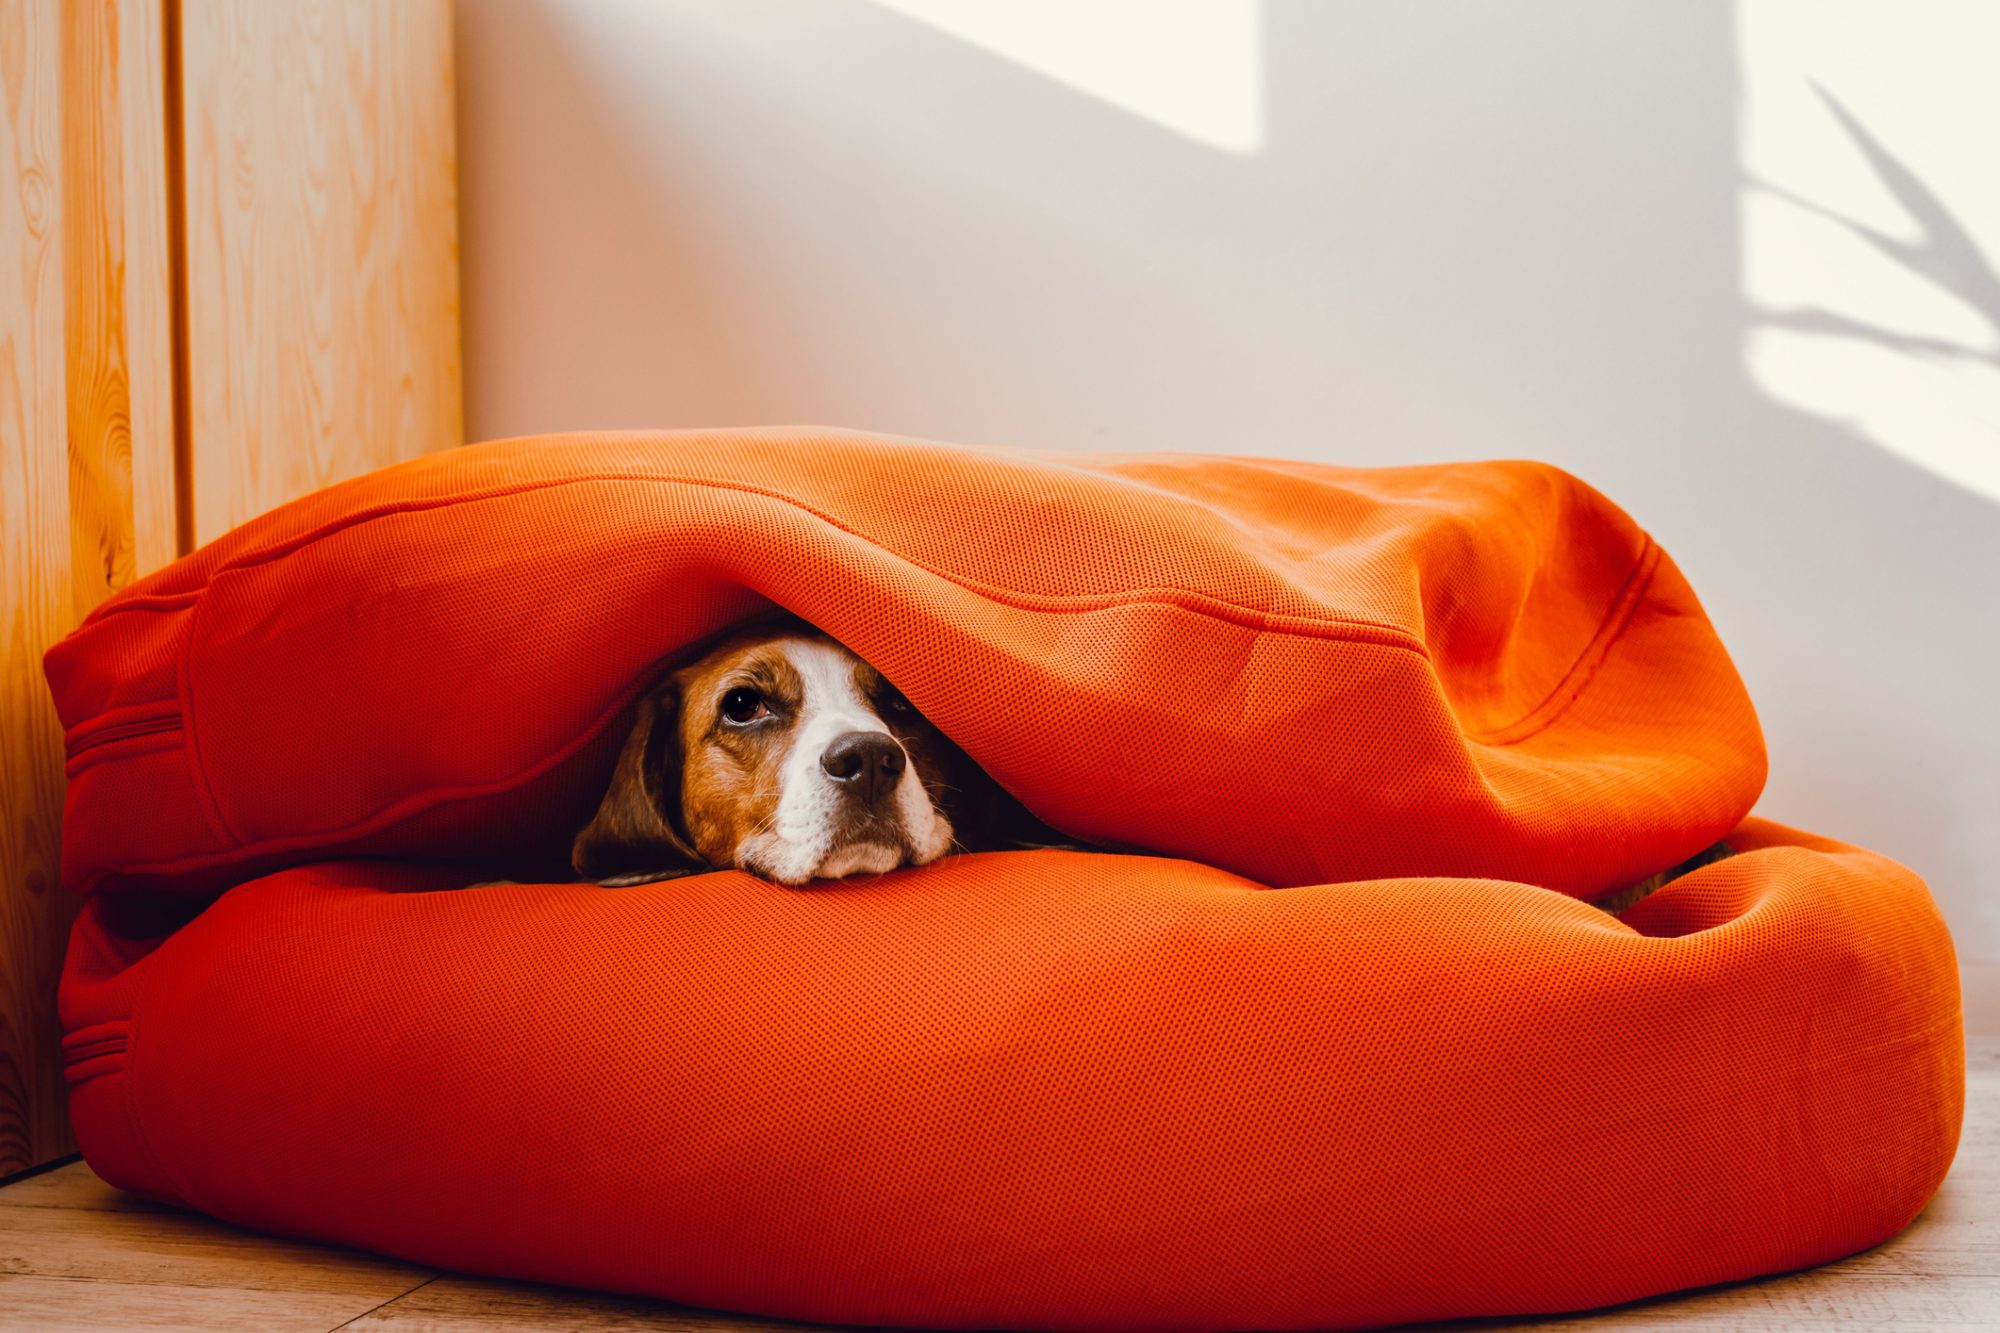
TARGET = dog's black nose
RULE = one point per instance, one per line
(869, 762)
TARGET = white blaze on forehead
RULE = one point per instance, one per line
(799, 845)
(832, 701)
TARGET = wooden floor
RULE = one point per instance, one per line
(77, 1254)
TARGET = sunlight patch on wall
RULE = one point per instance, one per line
(1870, 215)
(1194, 68)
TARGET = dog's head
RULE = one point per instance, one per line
(781, 753)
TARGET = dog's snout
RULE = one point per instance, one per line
(869, 762)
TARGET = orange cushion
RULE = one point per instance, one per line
(1298, 673)
(1044, 1090)
(1034, 1090)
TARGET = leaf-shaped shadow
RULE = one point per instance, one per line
(1947, 256)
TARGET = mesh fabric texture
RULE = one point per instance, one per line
(1297, 673)
(1041, 1090)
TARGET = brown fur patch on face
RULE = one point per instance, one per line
(959, 788)
(633, 839)
(729, 783)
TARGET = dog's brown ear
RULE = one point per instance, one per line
(635, 837)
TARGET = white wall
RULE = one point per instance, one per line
(1364, 232)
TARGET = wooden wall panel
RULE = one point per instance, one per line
(228, 275)
(322, 244)
(36, 605)
(120, 337)
(87, 449)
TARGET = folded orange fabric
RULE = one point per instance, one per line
(1038, 1090)
(1298, 673)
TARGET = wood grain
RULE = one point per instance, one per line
(86, 450)
(322, 244)
(36, 601)
(231, 279)
(77, 1254)
(453, 1304)
(120, 337)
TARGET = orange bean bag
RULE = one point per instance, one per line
(1054, 1090)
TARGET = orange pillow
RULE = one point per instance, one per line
(1032, 1090)
(1298, 673)
(1044, 1090)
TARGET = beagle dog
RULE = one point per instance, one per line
(782, 753)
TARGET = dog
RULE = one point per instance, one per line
(782, 753)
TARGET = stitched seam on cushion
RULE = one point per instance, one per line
(211, 806)
(91, 1044)
(160, 602)
(415, 804)
(102, 1030)
(1214, 607)
(428, 799)
(204, 790)
(129, 747)
(1576, 681)
(84, 735)
(1197, 603)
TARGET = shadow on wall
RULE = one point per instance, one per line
(1436, 231)
(1944, 255)
(1877, 307)
(832, 212)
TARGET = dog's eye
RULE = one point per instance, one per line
(896, 703)
(742, 705)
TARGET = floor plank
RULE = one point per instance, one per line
(76, 1254)
(66, 1305)
(161, 1249)
(454, 1304)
